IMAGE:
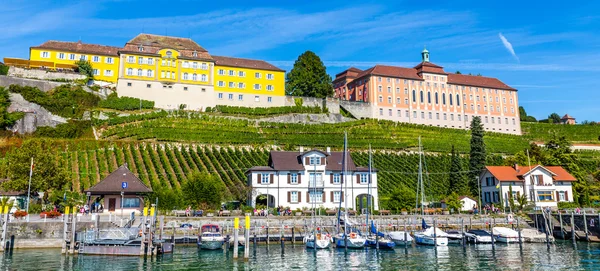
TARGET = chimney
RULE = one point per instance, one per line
(328, 150)
(516, 167)
(301, 149)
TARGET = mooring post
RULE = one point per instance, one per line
(281, 235)
(573, 228)
(470, 225)
(462, 232)
(254, 239)
(585, 226)
(405, 237)
(5, 227)
(72, 237)
(377, 235)
(492, 231)
(247, 239)
(519, 232)
(434, 233)
(547, 229)
(236, 225)
(562, 232)
(267, 233)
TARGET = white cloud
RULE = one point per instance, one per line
(508, 46)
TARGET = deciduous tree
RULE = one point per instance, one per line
(203, 188)
(309, 77)
(454, 203)
(402, 198)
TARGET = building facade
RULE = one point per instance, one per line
(173, 72)
(426, 94)
(57, 55)
(544, 186)
(300, 179)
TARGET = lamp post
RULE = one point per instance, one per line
(479, 189)
(122, 193)
(89, 196)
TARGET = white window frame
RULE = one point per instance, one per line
(241, 74)
(257, 75)
(256, 86)
(230, 96)
(140, 60)
(96, 59)
(314, 160)
(204, 66)
(96, 72)
(240, 97)
(45, 54)
(241, 85)
(293, 196)
(265, 178)
(221, 72)
(130, 59)
(269, 87)
(107, 72)
(221, 84)
(337, 178)
(231, 73)
(269, 99)
(220, 95)
(337, 196)
(72, 57)
(293, 178)
(150, 61)
(231, 85)
(270, 76)
(203, 78)
(108, 60)
(364, 179)
(61, 55)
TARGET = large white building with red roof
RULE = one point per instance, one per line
(544, 186)
(426, 94)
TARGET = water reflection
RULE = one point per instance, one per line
(474, 257)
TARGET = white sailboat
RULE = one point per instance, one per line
(316, 239)
(350, 238)
(432, 236)
(505, 235)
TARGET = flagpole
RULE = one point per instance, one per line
(29, 188)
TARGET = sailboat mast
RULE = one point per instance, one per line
(369, 185)
(421, 177)
(345, 183)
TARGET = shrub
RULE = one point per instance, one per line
(66, 100)
(125, 103)
(71, 129)
(567, 205)
(3, 69)
(85, 67)
(20, 214)
(50, 214)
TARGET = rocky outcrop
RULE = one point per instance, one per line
(45, 86)
(35, 115)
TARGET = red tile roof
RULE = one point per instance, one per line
(112, 183)
(429, 68)
(79, 47)
(509, 174)
(477, 81)
(153, 43)
(391, 71)
(245, 63)
(566, 117)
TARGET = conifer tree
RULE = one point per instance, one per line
(456, 182)
(477, 154)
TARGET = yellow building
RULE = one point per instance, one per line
(248, 82)
(58, 55)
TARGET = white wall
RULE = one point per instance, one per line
(196, 97)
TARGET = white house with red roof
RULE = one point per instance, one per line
(300, 179)
(545, 186)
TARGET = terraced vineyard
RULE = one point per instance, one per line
(194, 128)
(574, 133)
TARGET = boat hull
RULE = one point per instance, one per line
(506, 239)
(398, 238)
(430, 241)
(353, 243)
(211, 245)
(383, 244)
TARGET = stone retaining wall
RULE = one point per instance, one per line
(359, 110)
(45, 86)
(44, 74)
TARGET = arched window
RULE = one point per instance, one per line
(457, 99)
(203, 77)
(139, 72)
(195, 77)
(436, 98)
(428, 97)
(444, 98)
(450, 98)
(149, 73)
(414, 96)
(422, 97)
(129, 71)
(185, 76)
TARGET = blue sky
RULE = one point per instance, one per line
(554, 61)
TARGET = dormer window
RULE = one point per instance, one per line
(141, 48)
(169, 54)
(195, 54)
(315, 161)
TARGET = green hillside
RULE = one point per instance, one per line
(575, 133)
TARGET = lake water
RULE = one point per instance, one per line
(561, 256)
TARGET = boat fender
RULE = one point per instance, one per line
(353, 235)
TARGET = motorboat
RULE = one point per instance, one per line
(401, 237)
(432, 237)
(478, 237)
(454, 237)
(317, 241)
(210, 237)
(505, 235)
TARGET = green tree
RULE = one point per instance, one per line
(454, 203)
(168, 199)
(402, 198)
(511, 200)
(522, 113)
(522, 201)
(477, 153)
(530, 119)
(85, 67)
(309, 77)
(458, 72)
(457, 180)
(554, 118)
(202, 188)
(46, 174)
